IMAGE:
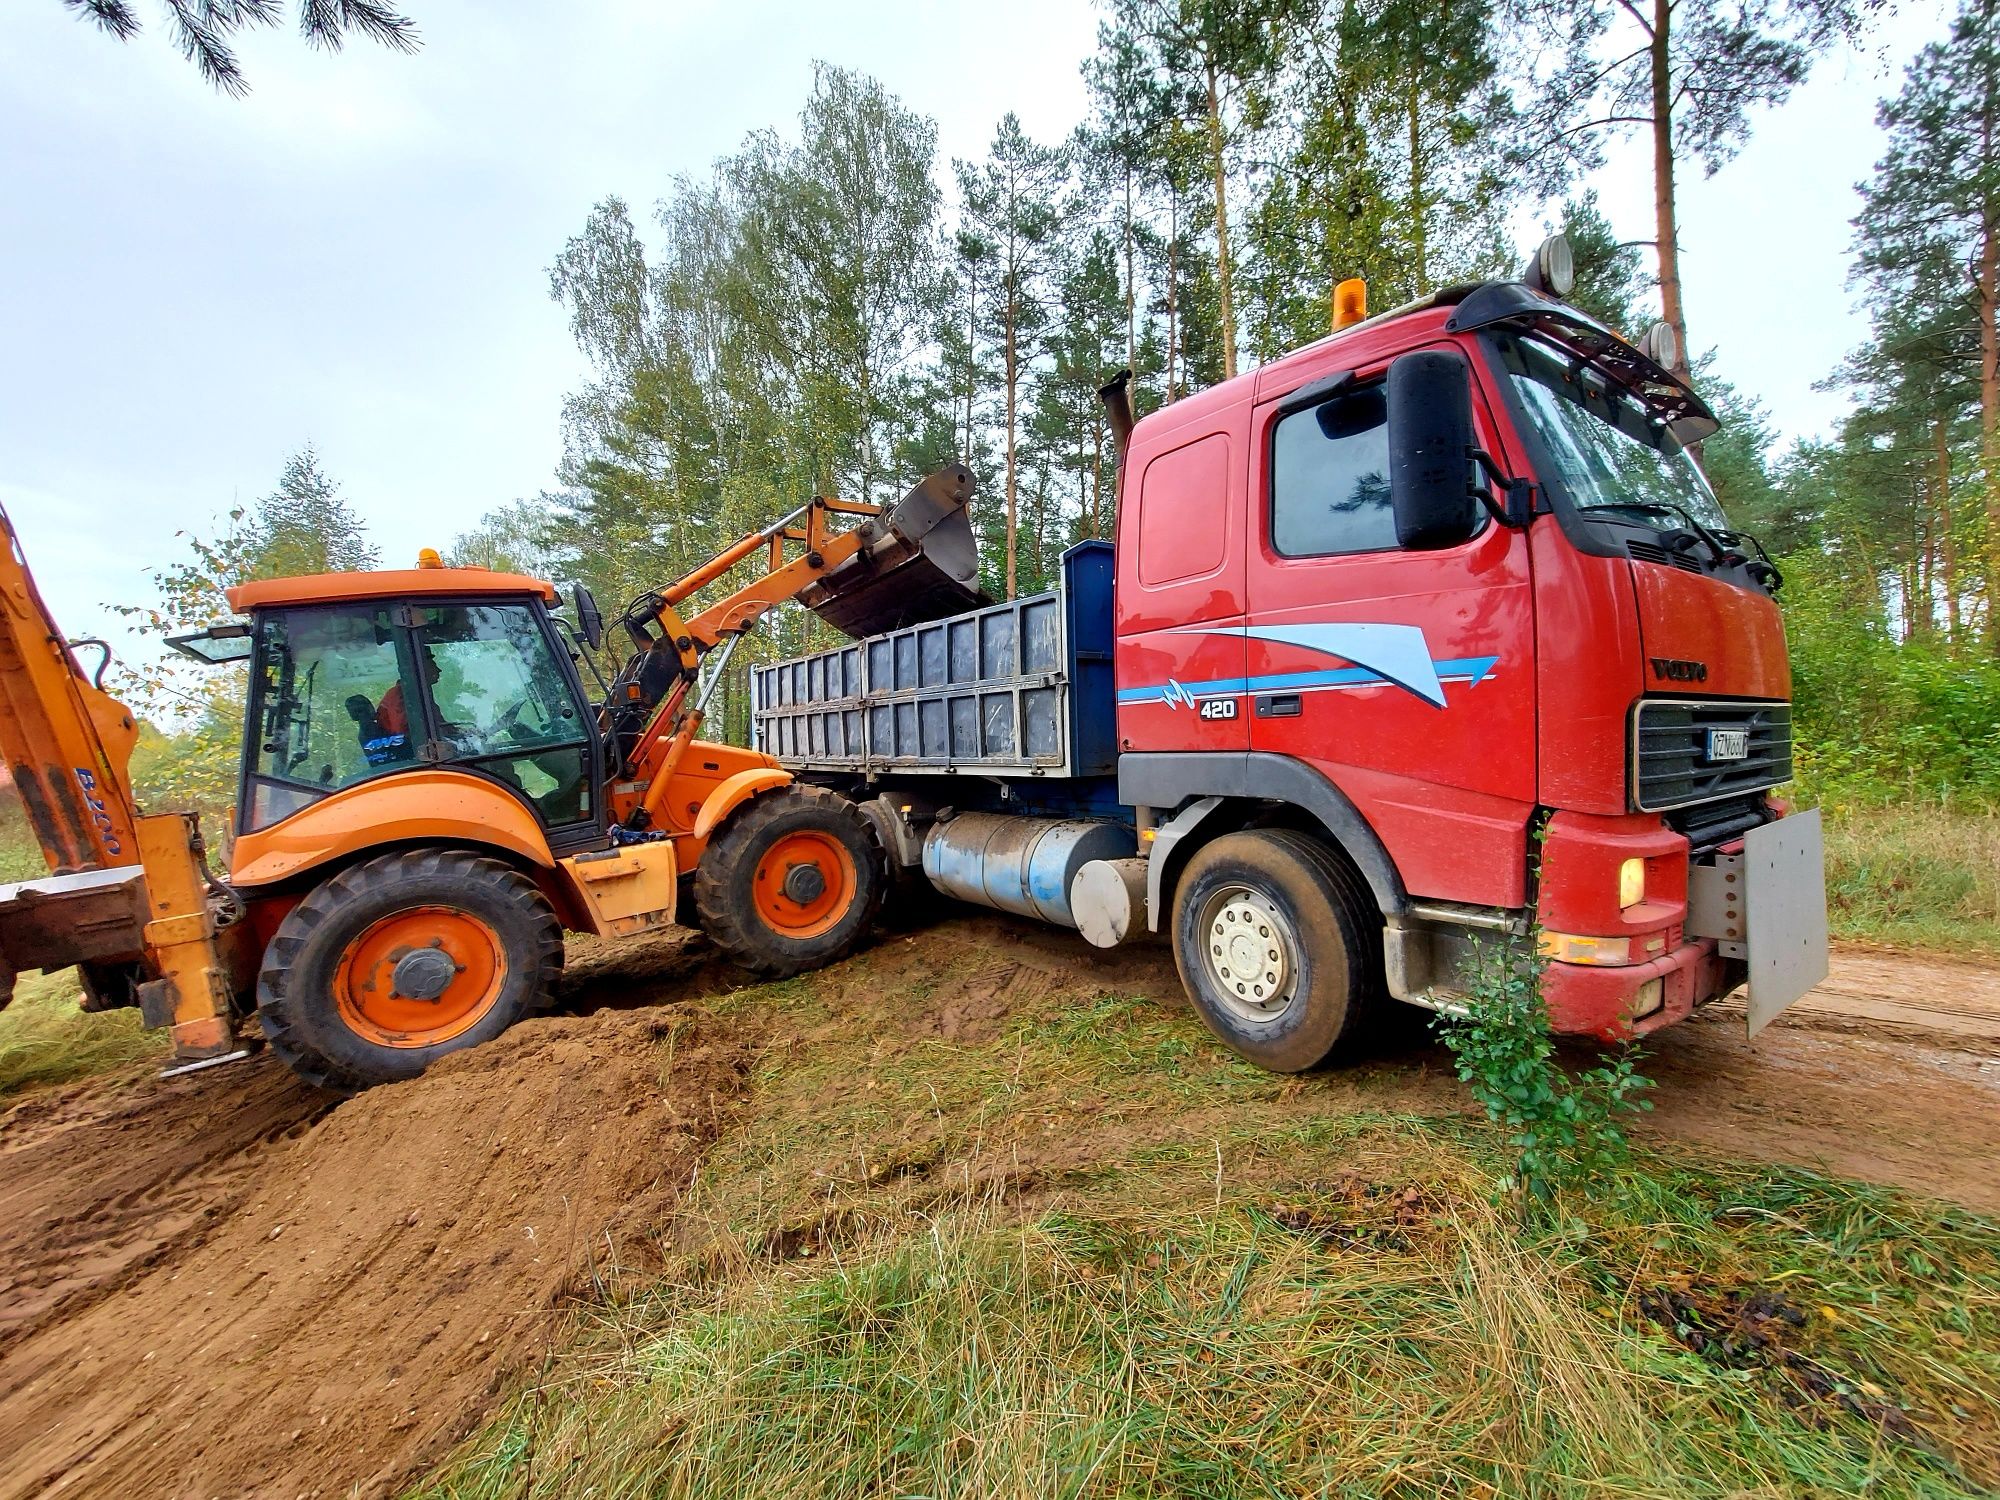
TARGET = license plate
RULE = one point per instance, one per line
(1728, 744)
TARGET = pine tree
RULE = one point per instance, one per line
(1686, 72)
(203, 29)
(1010, 204)
(1929, 251)
(304, 526)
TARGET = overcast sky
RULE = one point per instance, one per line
(356, 255)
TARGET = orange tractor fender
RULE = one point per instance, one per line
(732, 792)
(440, 806)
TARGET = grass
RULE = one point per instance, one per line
(1915, 875)
(45, 1039)
(1091, 1255)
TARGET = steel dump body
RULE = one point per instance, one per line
(1021, 689)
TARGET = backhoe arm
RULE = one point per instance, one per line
(67, 742)
(127, 896)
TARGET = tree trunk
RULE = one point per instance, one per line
(1173, 292)
(1419, 211)
(1221, 228)
(971, 360)
(1665, 229)
(1989, 419)
(1097, 477)
(1013, 376)
(1131, 283)
(1948, 544)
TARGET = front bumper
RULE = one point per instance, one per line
(1753, 911)
(1594, 1001)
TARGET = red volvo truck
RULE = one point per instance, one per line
(1426, 635)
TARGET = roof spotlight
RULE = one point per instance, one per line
(1551, 270)
(1661, 345)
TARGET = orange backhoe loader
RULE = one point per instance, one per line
(430, 796)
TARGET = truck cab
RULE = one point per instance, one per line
(1452, 584)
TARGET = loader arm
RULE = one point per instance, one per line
(863, 579)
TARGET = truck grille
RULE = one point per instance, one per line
(1671, 766)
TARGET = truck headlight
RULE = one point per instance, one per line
(1631, 883)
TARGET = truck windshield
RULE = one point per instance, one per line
(1609, 455)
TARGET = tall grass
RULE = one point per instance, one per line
(1075, 1261)
(1919, 874)
(45, 1039)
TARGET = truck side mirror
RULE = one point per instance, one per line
(589, 621)
(1431, 477)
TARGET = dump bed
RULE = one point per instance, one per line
(1016, 689)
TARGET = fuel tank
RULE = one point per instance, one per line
(1020, 865)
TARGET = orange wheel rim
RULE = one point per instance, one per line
(419, 977)
(804, 884)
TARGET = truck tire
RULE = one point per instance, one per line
(1279, 947)
(789, 881)
(392, 963)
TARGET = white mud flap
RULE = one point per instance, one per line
(1767, 906)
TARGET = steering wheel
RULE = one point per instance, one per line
(509, 727)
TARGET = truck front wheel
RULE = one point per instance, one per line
(1279, 947)
(394, 962)
(789, 881)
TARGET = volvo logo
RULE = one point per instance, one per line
(1673, 669)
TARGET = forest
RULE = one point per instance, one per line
(833, 309)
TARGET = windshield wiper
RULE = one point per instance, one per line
(1716, 546)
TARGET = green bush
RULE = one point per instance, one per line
(1564, 1127)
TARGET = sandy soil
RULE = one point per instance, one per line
(227, 1285)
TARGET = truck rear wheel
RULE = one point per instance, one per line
(1279, 947)
(393, 963)
(789, 881)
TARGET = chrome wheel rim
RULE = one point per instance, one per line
(1250, 952)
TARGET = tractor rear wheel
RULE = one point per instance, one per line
(392, 963)
(789, 881)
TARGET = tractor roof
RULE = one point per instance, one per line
(389, 583)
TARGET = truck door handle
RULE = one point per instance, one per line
(1278, 705)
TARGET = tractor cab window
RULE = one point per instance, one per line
(327, 687)
(503, 704)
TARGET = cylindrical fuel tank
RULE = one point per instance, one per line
(1021, 865)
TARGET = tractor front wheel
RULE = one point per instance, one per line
(394, 962)
(789, 881)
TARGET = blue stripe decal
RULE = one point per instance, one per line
(1467, 669)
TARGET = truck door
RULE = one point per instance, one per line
(1407, 678)
(1183, 539)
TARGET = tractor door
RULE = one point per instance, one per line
(328, 687)
(502, 700)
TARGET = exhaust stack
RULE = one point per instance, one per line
(1117, 398)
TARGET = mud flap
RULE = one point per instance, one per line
(1767, 906)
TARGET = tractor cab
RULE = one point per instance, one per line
(355, 676)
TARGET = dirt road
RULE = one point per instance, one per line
(228, 1285)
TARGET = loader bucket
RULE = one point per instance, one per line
(922, 563)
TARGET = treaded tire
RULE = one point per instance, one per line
(739, 872)
(1330, 980)
(310, 1029)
